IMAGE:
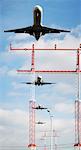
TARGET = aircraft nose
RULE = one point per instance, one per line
(38, 7)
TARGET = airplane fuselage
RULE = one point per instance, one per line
(37, 30)
(39, 81)
(37, 16)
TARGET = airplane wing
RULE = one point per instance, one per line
(42, 108)
(21, 30)
(47, 83)
(46, 30)
(26, 82)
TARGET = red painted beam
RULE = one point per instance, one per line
(50, 49)
(47, 71)
(26, 49)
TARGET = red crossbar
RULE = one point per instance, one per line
(55, 48)
(47, 71)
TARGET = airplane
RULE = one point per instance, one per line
(39, 122)
(39, 107)
(39, 82)
(37, 30)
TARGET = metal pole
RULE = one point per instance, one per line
(54, 140)
(51, 128)
(51, 120)
(78, 95)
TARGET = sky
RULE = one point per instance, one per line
(59, 98)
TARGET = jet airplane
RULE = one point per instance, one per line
(37, 30)
(39, 122)
(39, 107)
(39, 82)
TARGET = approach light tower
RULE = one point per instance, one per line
(77, 125)
(32, 145)
(77, 71)
(77, 144)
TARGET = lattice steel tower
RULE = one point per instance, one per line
(32, 144)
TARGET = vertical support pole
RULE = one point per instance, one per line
(77, 125)
(51, 132)
(10, 46)
(78, 95)
(54, 142)
(33, 72)
(45, 141)
(77, 107)
(31, 106)
(32, 125)
(51, 129)
(33, 59)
